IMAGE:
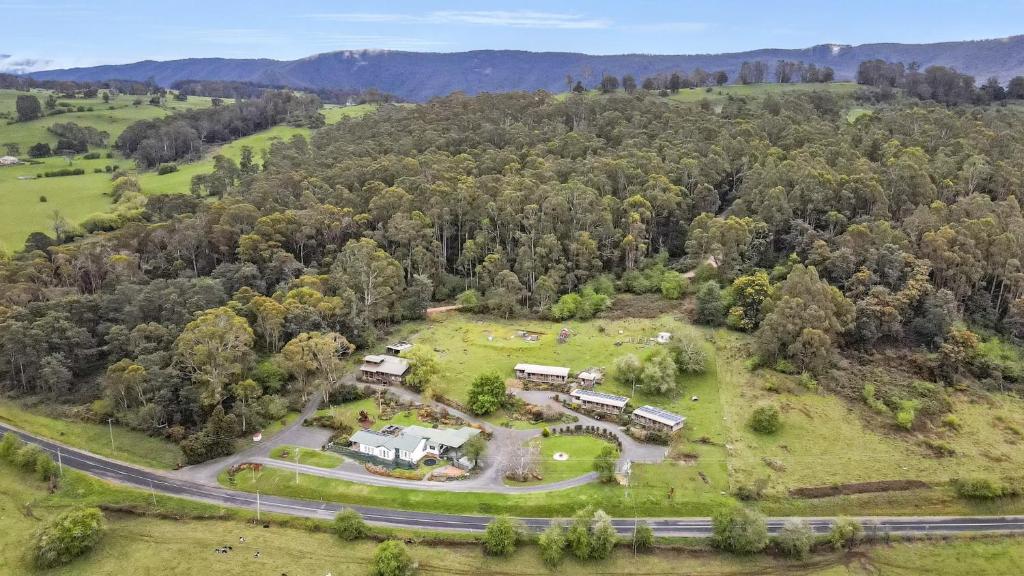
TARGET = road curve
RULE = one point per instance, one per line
(146, 479)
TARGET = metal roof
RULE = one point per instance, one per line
(385, 364)
(659, 415)
(451, 437)
(600, 397)
(403, 441)
(541, 369)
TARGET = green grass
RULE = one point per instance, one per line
(307, 456)
(582, 450)
(649, 494)
(78, 197)
(756, 90)
(129, 445)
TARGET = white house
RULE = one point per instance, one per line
(664, 337)
(8, 160)
(413, 443)
(407, 447)
(589, 378)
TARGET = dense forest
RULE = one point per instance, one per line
(820, 235)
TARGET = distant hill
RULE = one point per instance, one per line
(419, 76)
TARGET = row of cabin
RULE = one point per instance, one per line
(555, 374)
(412, 443)
(649, 417)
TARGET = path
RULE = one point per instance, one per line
(145, 479)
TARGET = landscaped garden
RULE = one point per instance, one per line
(568, 456)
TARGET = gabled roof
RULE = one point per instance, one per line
(451, 437)
(541, 369)
(385, 364)
(407, 442)
(600, 397)
(659, 415)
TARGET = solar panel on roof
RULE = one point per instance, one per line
(662, 413)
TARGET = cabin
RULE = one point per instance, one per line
(8, 161)
(663, 337)
(397, 348)
(653, 418)
(590, 378)
(599, 401)
(383, 369)
(542, 374)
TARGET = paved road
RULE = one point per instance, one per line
(162, 482)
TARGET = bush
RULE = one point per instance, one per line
(64, 172)
(349, 525)
(91, 156)
(67, 537)
(42, 199)
(739, 530)
(673, 285)
(166, 168)
(643, 536)
(765, 420)
(689, 355)
(486, 394)
(552, 544)
(502, 536)
(603, 536)
(846, 534)
(39, 150)
(604, 464)
(9, 446)
(44, 466)
(794, 539)
(577, 538)
(979, 488)
(392, 559)
(25, 457)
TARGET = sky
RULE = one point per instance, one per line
(42, 34)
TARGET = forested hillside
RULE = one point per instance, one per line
(418, 76)
(899, 230)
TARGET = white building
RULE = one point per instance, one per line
(413, 443)
(8, 161)
(664, 337)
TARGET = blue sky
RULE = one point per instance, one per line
(46, 34)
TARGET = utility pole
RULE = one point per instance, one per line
(152, 492)
(110, 426)
(60, 462)
(257, 506)
(297, 465)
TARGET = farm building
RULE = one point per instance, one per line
(664, 337)
(599, 401)
(398, 347)
(538, 373)
(384, 369)
(413, 443)
(8, 160)
(654, 418)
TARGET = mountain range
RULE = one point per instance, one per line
(418, 76)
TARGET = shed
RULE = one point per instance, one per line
(654, 418)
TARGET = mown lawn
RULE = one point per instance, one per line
(307, 456)
(651, 494)
(129, 445)
(581, 452)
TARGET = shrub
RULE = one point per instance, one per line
(673, 285)
(42, 199)
(603, 536)
(952, 422)
(545, 432)
(577, 538)
(25, 457)
(552, 544)
(349, 525)
(979, 488)
(643, 536)
(794, 539)
(392, 559)
(846, 533)
(907, 413)
(64, 172)
(502, 536)
(9, 446)
(166, 168)
(91, 156)
(688, 355)
(739, 530)
(67, 537)
(44, 466)
(39, 150)
(486, 394)
(765, 420)
(604, 464)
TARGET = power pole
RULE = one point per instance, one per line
(257, 506)
(110, 426)
(60, 462)
(297, 465)
(152, 492)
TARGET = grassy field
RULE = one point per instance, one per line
(77, 197)
(820, 428)
(307, 456)
(581, 452)
(185, 545)
(129, 445)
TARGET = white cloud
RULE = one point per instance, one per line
(505, 18)
(374, 41)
